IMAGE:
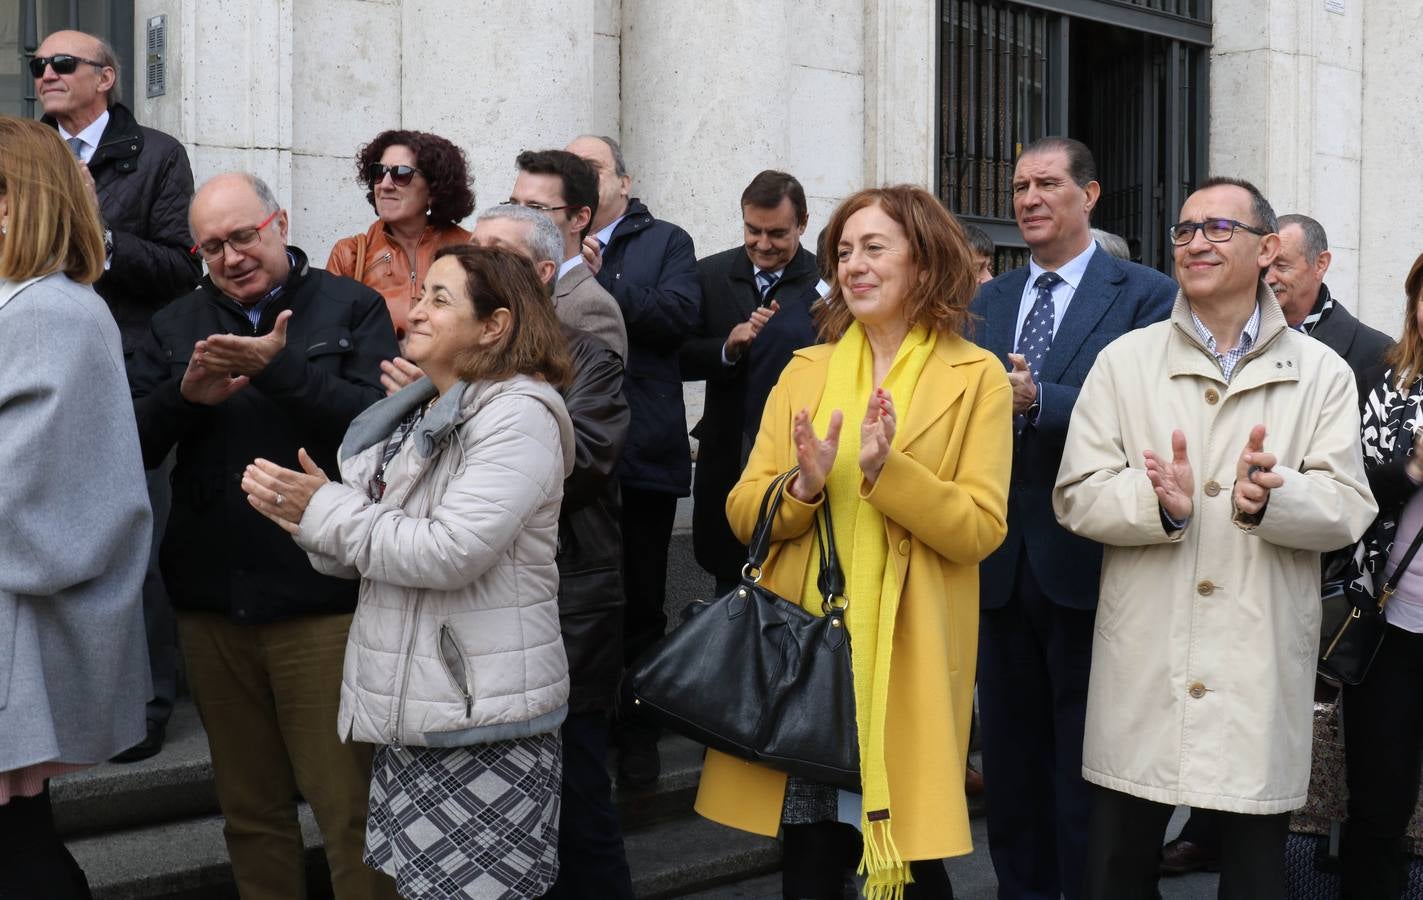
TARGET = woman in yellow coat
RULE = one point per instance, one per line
(918, 486)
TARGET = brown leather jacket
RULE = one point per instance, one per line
(387, 270)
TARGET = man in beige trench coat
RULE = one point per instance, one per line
(1216, 455)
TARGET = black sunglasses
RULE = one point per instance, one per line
(62, 63)
(401, 175)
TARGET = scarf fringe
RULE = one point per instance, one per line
(888, 872)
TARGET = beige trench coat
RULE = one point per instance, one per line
(1203, 658)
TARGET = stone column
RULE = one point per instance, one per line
(1286, 110)
(901, 89)
(1392, 179)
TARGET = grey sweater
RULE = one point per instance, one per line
(74, 531)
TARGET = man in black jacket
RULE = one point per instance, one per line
(142, 181)
(591, 860)
(650, 268)
(265, 357)
(756, 301)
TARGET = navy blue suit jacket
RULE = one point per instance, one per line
(1113, 298)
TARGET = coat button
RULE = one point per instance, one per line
(1212, 488)
(1197, 690)
(343, 343)
(1212, 397)
(1205, 588)
(904, 548)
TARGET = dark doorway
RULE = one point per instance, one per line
(25, 23)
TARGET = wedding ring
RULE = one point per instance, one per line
(280, 498)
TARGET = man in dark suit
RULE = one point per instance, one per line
(756, 301)
(650, 267)
(1047, 321)
(1297, 278)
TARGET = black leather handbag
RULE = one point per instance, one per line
(756, 676)
(1355, 641)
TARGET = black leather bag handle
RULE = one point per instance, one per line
(831, 580)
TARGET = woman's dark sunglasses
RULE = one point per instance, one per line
(401, 175)
(62, 63)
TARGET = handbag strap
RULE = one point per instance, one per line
(1402, 567)
(831, 580)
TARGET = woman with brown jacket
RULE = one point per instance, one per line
(419, 185)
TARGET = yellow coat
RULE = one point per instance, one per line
(943, 493)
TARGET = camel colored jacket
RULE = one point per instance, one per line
(944, 496)
(386, 268)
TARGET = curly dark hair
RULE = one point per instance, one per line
(441, 162)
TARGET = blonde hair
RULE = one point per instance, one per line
(53, 221)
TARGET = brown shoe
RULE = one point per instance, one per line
(1179, 857)
(973, 783)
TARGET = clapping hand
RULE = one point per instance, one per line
(745, 332)
(876, 433)
(1172, 479)
(282, 494)
(814, 456)
(1254, 474)
(396, 373)
(239, 355)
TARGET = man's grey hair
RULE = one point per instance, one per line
(1113, 244)
(542, 240)
(109, 59)
(620, 168)
(1315, 240)
(264, 193)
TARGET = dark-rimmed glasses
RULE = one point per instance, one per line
(62, 63)
(534, 204)
(241, 239)
(1217, 231)
(400, 175)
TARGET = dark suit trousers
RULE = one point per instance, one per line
(1033, 661)
(647, 531)
(1124, 850)
(591, 860)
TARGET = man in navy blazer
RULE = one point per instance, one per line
(1047, 321)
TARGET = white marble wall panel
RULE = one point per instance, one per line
(900, 91)
(497, 78)
(826, 133)
(342, 99)
(327, 203)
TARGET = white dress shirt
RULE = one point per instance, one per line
(1071, 274)
(91, 136)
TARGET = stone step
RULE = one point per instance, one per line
(187, 860)
(177, 784)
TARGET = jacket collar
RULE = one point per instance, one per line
(939, 388)
(300, 271)
(1098, 289)
(121, 143)
(803, 263)
(1186, 353)
(635, 219)
(571, 280)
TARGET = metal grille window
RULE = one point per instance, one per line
(1126, 77)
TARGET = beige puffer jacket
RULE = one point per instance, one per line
(455, 640)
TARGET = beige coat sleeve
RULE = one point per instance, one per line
(1099, 494)
(1325, 503)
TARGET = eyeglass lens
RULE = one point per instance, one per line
(62, 63)
(1216, 231)
(401, 175)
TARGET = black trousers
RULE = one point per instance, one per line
(1202, 828)
(1124, 850)
(1383, 738)
(647, 531)
(34, 862)
(817, 860)
(1034, 659)
(591, 861)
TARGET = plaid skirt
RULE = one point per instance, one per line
(475, 822)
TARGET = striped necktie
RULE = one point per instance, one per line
(76, 146)
(765, 281)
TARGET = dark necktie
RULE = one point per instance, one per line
(1036, 336)
(765, 281)
(76, 146)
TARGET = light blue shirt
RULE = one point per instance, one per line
(1071, 274)
(91, 135)
(568, 265)
(606, 234)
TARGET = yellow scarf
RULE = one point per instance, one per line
(872, 586)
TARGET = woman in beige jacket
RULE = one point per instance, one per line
(449, 514)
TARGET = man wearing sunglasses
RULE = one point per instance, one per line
(1217, 456)
(142, 183)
